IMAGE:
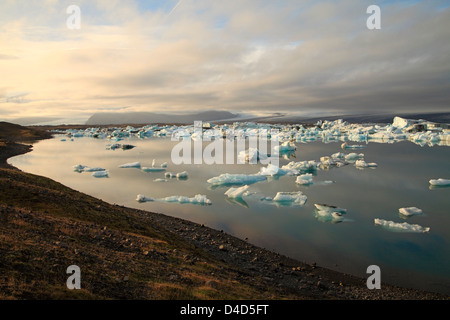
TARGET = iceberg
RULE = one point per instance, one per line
(94, 169)
(228, 178)
(100, 174)
(326, 216)
(440, 182)
(152, 169)
(197, 199)
(329, 209)
(131, 165)
(353, 156)
(355, 146)
(363, 164)
(273, 170)
(236, 193)
(285, 147)
(182, 175)
(79, 168)
(294, 197)
(142, 198)
(410, 211)
(401, 227)
(160, 180)
(252, 156)
(305, 179)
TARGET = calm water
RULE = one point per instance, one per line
(401, 180)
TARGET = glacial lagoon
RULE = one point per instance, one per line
(349, 244)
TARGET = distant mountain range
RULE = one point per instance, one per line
(106, 118)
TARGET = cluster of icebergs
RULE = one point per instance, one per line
(96, 171)
(197, 199)
(421, 132)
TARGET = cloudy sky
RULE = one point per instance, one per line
(245, 56)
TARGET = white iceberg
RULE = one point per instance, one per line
(197, 199)
(160, 180)
(327, 216)
(440, 182)
(410, 211)
(363, 164)
(79, 168)
(329, 208)
(354, 156)
(131, 165)
(236, 193)
(100, 174)
(403, 227)
(355, 146)
(182, 175)
(305, 179)
(294, 197)
(142, 198)
(252, 156)
(228, 178)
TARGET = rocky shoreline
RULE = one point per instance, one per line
(249, 264)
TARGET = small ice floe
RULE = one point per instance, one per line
(305, 179)
(182, 175)
(197, 199)
(237, 193)
(142, 198)
(152, 169)
(252, 156)
(401, 227)
(290, 197)
(363, 164)
(355, 146)
(79, 168)
(164, 165)
(100, 174)
(273, 170)
(440, 182)
(354, 156)
(410, 211)
(93, 169)
(170, 175)
(329, 208)
(160, 180)
(229, 179)
(285, 147)
(131, 165)
(327, 216)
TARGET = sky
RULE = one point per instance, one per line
(254, 56)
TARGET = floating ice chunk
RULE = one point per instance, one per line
(93, 169)
(330, 209)
(151, 169)
(273, 170)
(305, 179)
(131, 165)
(237, 192)
(160, 180)
(170, 175)
(228, 178)
(363, 164)
(327, 216)
(252, 155)
(338, 155)
(164, 165)
(284, 147)
(403, 227)
(295, 197)
(79, 168)
(153, 162)
(410, 211)
(100, 174)
(142, 198)
(182, 175)
(440, 182)
(354, 156)
(197, 199)
(355, 146)
(302, 166)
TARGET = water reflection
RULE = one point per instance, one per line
(400, 180)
